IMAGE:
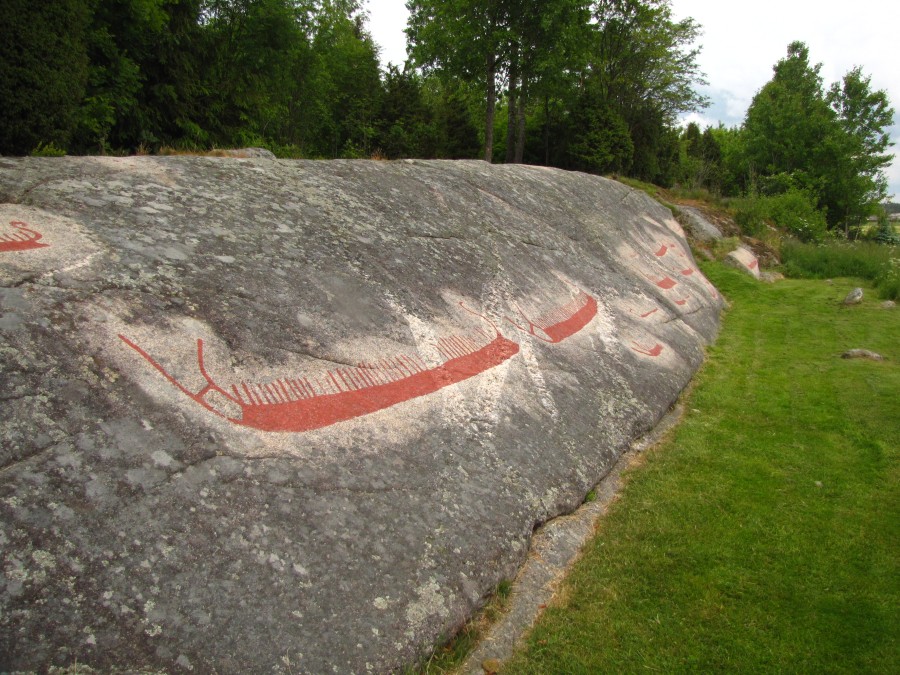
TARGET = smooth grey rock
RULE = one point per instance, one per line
(854, 297)
(258, 153)
(743, 259)
(862, 354)
(698, 224)
(410, 373)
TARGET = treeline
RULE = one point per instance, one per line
(128, 75)
(593, 86)
(596, 86)
(808, 156)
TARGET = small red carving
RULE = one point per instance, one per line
(688, 272)
(301, 404)
(662, 251)
(652, 311)
(753, 264)
(666, 283)
(653, 351)
(562, 322)
(22, 239)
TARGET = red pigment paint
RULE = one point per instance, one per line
(562, 322)
(303, 404)
(666, 283)
(652, 311)
(653, 351)
(22, 239)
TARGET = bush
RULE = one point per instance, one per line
(793, 211)
(878, 263)
(796, 212)
(888, 280)
(750, 215)
(48, 150)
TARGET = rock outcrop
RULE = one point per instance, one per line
(290, 416)
(699, 225)
(744, 259)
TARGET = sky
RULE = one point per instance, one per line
(741, 42)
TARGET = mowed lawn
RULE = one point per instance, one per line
(764, 535)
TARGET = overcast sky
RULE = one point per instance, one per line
(742, 41)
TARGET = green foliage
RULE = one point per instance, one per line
(877, 263)
(43, 71)
(888, 280)
(793, 211)
(750, 214)
(762, 537)
(796, 212)
(47, 150)
(603, 143)
(722, 247)
(885, 232)
(830, 146)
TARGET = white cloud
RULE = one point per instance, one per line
(387, 20)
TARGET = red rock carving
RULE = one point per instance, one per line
(666, 283)
(303, 404)
(753, 264)
(562, 322)
(653, 351)
(21, 239)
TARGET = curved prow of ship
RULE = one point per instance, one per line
(560, 322)
(22, 238)
(307, 403)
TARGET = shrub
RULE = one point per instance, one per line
(888, 280)
(793, 211)
(751, 215)
(48, 150)
(796, 212)
(878, 263)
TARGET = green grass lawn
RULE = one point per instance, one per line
(764, 536)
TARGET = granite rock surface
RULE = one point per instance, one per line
(744, 259)
(293, 416)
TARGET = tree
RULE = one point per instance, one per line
(545, 45)
(833, 147)
(462, 39)
(857, 183)
(788, 120)
(603, 143)
(642, 64)
(43, 71)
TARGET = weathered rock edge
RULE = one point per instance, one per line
(147, 523)
(555, 548)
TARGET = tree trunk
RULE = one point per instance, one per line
(491, 100)
(512, 109)
(546, 130)
(520, 125)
